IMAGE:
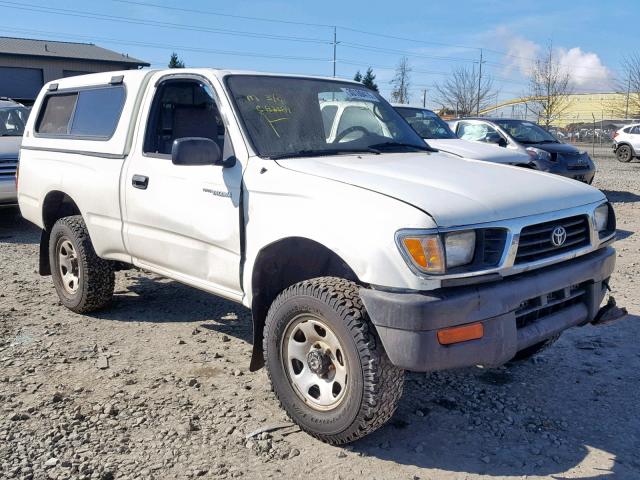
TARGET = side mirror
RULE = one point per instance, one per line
(195, 151)
(495, 138)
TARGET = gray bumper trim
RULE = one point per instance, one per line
(408, 322)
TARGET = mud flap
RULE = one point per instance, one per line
(609, 313)
(44, 268)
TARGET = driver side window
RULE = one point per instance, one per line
(477, 132)
(183, 108)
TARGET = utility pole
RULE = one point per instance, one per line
(479, 84)
(335, 44)
(424, 98)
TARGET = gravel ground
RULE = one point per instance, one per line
(157, 386)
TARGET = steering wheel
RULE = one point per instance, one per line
(349, 130)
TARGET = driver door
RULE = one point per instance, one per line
(183, 221)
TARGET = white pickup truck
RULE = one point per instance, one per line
(360, 253)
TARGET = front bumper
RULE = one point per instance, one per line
(8, 195)
(407, 323)
(585, 174)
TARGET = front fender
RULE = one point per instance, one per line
(357, 224)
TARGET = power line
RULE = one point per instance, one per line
(357, 63)
(359, 46)
(154, 23)
(176, 47)
(228, 15)
(342, 27)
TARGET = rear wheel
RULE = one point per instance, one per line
(326, 363)
(624, 153)
(84, 282)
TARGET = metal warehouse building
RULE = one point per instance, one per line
(27, 64)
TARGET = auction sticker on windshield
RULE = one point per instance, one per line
(359, 94)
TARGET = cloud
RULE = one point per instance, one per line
(586, 70)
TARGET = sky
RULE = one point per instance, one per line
(589, 38)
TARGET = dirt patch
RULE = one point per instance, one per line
(158, 387)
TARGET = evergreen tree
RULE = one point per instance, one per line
(175, 61)
(358, 76)
(368, 80)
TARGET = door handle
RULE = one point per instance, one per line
(140, 181)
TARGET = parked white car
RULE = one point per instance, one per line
(438, 135)
(13, 117)
(626, 144)
(361, 254)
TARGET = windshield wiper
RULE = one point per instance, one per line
(322, 153)
(422, 148)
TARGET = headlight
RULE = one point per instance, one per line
(425, 252)
(460, 247)
(538, 154)
(601, 217)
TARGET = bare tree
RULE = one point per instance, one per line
(549, 89)
(628, 84)
(459, 92)
(401, 82)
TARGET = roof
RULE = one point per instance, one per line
(491, 119)
(408, 105)
(70, 50)
(7, 102)
(139, 75)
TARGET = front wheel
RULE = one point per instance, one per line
(84, 281)
(326, 364)
(624, 153)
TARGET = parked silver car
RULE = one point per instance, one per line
(13, 117)
(438, 135)
(546, 152)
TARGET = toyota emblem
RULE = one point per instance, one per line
(558, 236)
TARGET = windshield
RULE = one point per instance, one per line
(13, 120)
(426, 123)
(288, 117)
(526, 132)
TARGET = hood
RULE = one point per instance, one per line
(452, 190)
(10, 146)
(554, 147)
(478, 151)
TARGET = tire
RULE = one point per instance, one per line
(368, 387)
(84, 282)
(527, 353)
(624, 153)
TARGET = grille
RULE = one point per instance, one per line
(490, 243)
(489, 246)
(577, 166)
(535, 240)
(532, 310)
(576, 161)
(8, 167)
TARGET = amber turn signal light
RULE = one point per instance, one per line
(473, 331)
